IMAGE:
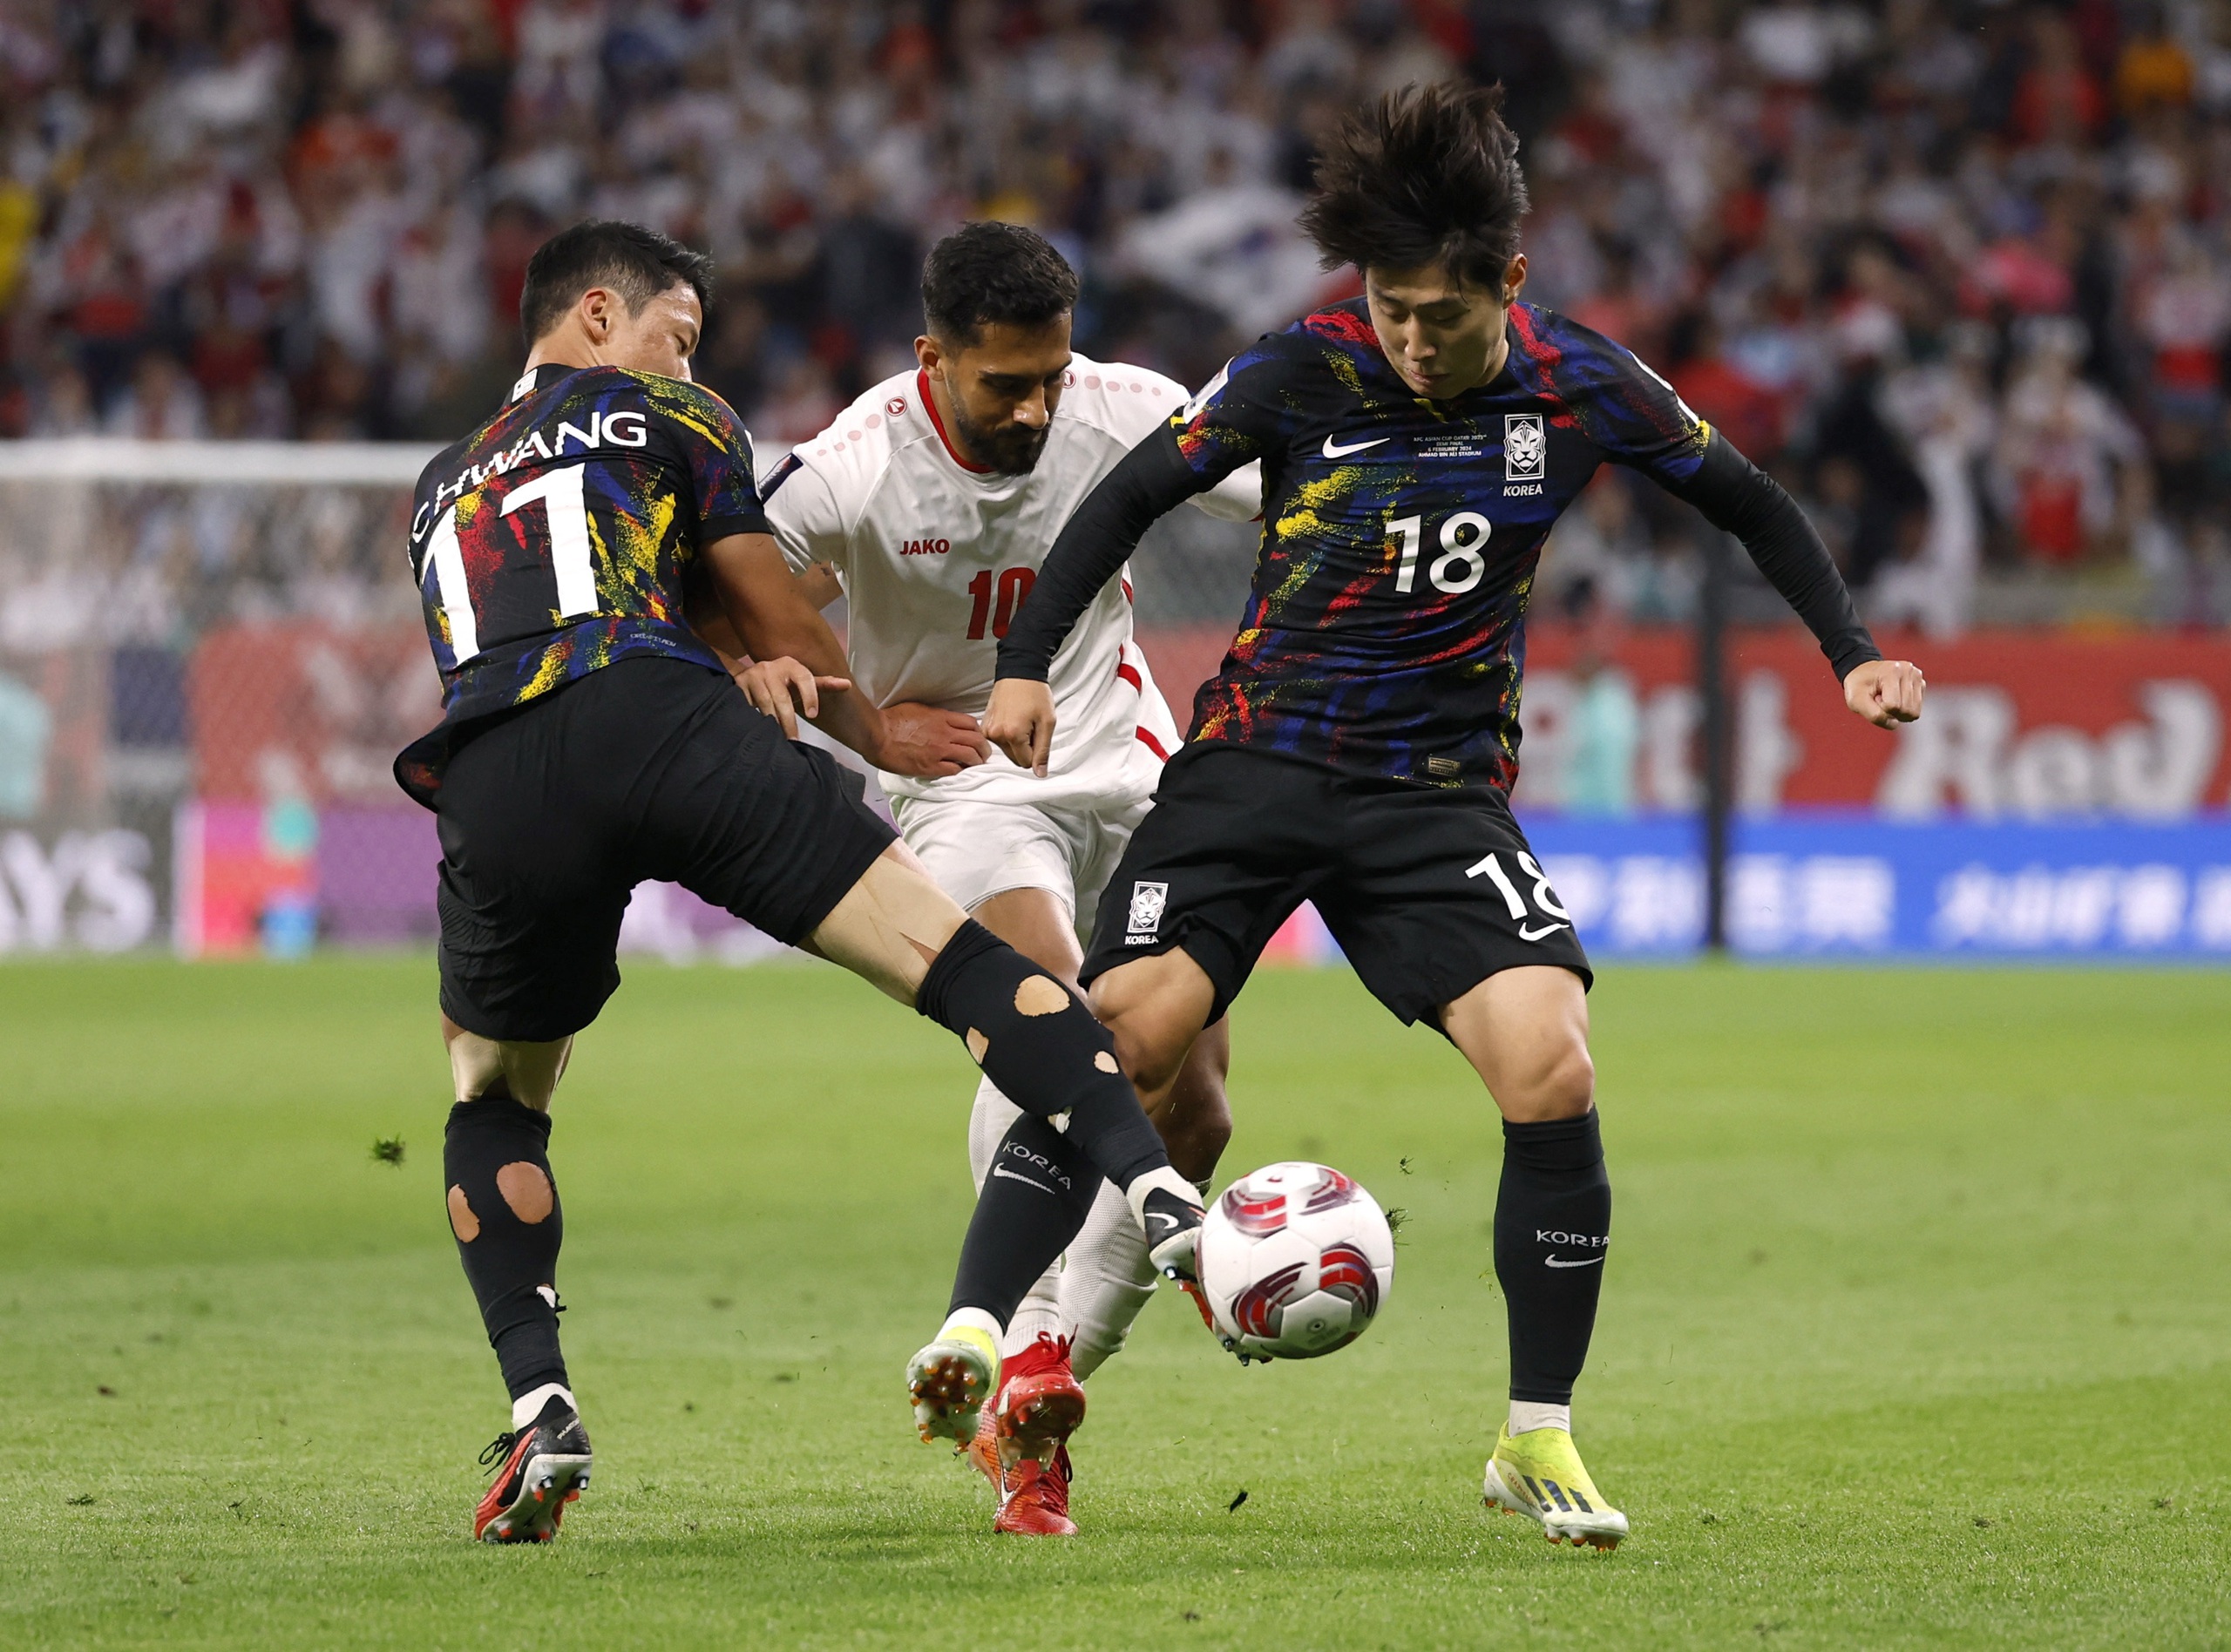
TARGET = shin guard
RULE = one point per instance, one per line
(504, 1210)
(1034, 1038)
(1553, 1223)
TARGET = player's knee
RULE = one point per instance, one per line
(1561, 1086)
(1149, 1056)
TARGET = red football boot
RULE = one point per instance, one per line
(1034, 1499)
(545, 1466)
(1026, 1457)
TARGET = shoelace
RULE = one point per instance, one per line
(500, 1448)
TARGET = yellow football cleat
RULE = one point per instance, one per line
(949, 1381)
(1539, 1474)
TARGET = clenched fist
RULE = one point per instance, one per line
(1886, 691)
(1020, 721)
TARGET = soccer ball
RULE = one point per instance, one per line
(1294, 1261)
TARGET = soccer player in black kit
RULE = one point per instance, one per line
(591, 741)
(1358, 746)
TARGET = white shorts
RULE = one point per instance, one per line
(977, 849)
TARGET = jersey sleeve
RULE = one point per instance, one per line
(1247, 410)
(1641, 421)
(801, 514)
(1238, 497)
(710, 444)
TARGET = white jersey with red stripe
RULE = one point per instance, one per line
(935, 554)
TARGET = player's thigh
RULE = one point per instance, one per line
(1525, 1031)
(890, 925)
(1235, 842)
(771, 830)
(534, 878)
(1437, 891)
(1155, 1007)
(1012, 867)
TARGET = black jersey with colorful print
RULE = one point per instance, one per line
(1384, 633)
(554, 539)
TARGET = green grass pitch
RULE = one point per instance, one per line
(1916, 1330)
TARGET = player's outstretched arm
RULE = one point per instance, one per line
(1738, 497)
(774, 620)
(925, 740)
(1151, 480)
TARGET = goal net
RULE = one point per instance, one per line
(209, 655)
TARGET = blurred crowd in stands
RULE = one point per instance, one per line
(1958, 272)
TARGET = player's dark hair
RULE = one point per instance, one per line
(637, 263)
(1424, 176)
(992, 272)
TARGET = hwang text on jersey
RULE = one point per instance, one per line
(555, 539)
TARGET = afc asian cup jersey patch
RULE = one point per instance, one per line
(1525, 448)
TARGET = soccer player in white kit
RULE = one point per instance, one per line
(931, 501)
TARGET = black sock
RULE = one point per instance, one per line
(1034, 1200)
(504, 1210)
(1035, 1039)
(1553, 1221)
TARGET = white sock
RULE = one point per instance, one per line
(1105, 1282)
(1526, 1415)
(528, 1406)
(989, 1121)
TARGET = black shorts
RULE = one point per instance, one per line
(1428, 890)
(551, 814)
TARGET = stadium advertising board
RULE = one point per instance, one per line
(2066, 796)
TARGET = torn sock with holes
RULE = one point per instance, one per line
(1033, 1200)
(1034, 1038)
(504, 1210)
(1553, 1225)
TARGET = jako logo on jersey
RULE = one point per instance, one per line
(895, 406)
(1525, 448)
(1146, 902)
(924, 547)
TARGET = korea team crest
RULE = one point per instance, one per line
(1147, 903)
(1525, 448)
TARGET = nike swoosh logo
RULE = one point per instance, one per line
(1157, 1216)
(1334, 451)
(1586, 1262)
(1001, 1170)
(1525, 934)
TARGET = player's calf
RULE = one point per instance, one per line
(504, 1210)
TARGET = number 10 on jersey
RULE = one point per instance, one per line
(1014, 584)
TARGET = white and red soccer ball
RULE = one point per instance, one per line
(1295, 1261)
